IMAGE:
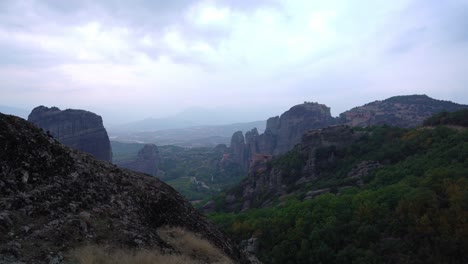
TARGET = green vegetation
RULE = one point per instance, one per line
(180, 164)
(459, 118)
(412, 210)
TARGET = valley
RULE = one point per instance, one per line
(382, 183)
(233, 132)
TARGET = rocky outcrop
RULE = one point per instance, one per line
(319, 150)
(363, 169)
(282, 133)
(147, 161)
(401, 111)
(54, 199)
(321, 147)
(78, 129)
(238, 149)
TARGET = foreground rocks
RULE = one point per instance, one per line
(54, 199)
(78, 129)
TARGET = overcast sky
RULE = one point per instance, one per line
(152, 58)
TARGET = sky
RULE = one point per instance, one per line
(130, 60)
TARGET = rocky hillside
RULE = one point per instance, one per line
(393, 195)
(284, 132)
(78, 129)
(147, 161)
(54, 199)
(401, 111)
(270, 178)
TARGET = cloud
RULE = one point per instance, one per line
(155, 58)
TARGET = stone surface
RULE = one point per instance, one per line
(147, 161)
(78, 129)
(72, 199)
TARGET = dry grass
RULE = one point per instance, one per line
(191, 247)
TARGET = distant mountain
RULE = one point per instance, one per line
(8, 110)
(189, 118)
(401, 111)
(196, 136)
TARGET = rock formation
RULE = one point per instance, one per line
(321, 148)
(402, 111)
(318, 149)
(54, 199)
(238, 149)
(78, 129)
(283, 133)
(147, 160)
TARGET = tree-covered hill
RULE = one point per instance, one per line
(412, 208)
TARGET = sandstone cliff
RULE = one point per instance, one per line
(401, 111)
(147, 161)
(78, 129)
(53, 199)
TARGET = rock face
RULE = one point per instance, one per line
(319, 149)
(54, 199)
(402, 111)
(238, 149)
(78, 129)
(281, 133)
(147, 160)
